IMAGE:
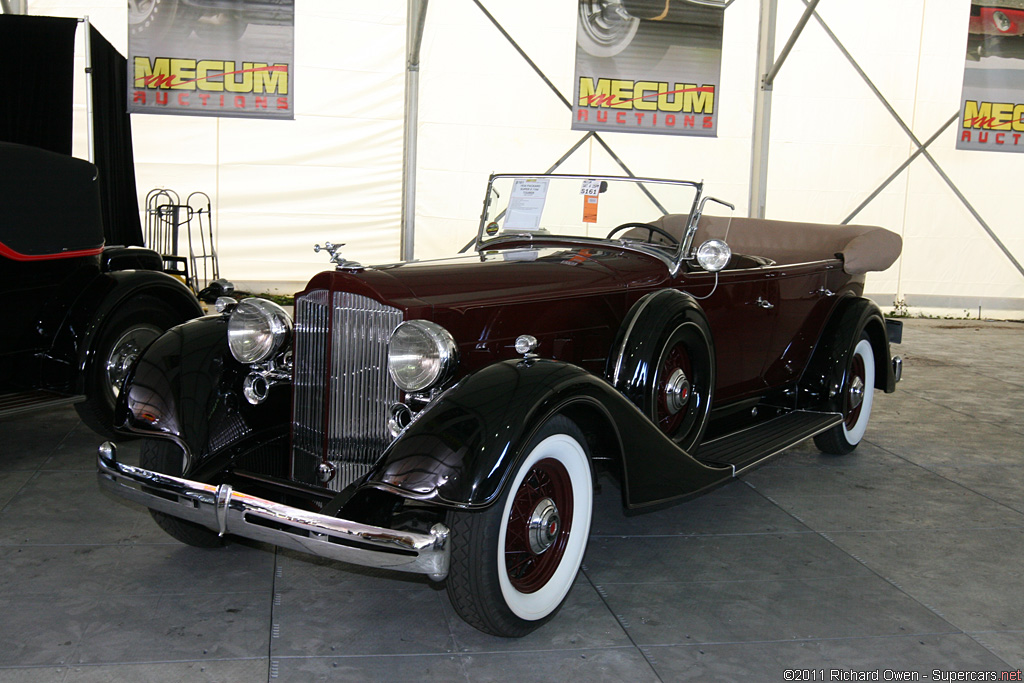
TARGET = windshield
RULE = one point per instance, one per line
(589, 207)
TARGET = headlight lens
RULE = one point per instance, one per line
(420, 355)
(257, 329)
(714, 255)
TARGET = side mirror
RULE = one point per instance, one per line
(713, 255)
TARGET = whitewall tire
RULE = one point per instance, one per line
(514, 563)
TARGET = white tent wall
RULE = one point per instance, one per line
(335, 172)
(833, 143)
(278, 187)
(483, 109)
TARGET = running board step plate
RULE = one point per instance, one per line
(28, 401)
(748, 447)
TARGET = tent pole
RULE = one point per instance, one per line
(89, 113)
(415, 17)
(762, 111)
(14, 6)
(767, 69)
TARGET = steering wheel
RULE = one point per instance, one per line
(651, 229)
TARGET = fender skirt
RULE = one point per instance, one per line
(460, 450)
(185, 387)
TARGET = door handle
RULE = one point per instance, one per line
(765, 304)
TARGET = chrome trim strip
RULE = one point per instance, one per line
(311, 334)
(230, 512)
(224, 492)
(836, 419)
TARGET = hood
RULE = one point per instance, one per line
(500, 277)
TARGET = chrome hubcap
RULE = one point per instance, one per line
(606, 21)
(544, 525)
(124, 353)
(677, 391)
(856, 393)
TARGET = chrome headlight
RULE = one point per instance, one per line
(420, 355)
(257, 329)
(713, 255)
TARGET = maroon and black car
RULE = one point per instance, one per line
(76, 311)
(447, 417)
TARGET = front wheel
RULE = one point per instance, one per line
(162, 456)
(858, 394)
(513, 564)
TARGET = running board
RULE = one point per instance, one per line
(744, 449)
(28, 401)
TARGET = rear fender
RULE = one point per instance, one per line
(460, 450)
(821, 382)
(91, 312)
(130, 258)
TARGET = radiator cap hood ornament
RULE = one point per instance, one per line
(336, 257)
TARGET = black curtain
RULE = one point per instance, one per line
(113, 143)
(37, 55)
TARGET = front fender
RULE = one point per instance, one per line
(186, 387)
(460, 450)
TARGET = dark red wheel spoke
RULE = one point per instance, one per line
(857, 371)
(676, 359)
(529, 571)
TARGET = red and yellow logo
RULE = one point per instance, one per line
(206, 77)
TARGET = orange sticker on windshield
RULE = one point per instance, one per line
(590, 209)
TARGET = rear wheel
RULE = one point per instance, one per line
(604, 27)
(679, 397)
(123, 339)
(165, 457)
(663, 361)
(513, 564)
(153, 18)
(858, 394)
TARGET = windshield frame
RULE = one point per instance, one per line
(671, 258)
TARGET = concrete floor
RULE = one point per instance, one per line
(906, 555)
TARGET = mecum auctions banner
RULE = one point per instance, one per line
(992, 103)
(211, 57)
(648, 66)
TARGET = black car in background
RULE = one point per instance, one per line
(75, 311)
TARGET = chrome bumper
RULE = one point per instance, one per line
(229, 512)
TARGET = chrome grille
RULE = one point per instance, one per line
(342, 389)
(308, 381)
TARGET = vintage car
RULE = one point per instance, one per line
(605, 28)
(996, 29)
(77, 312)
(447, 417)
(223, 19)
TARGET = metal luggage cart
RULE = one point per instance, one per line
(168, 221)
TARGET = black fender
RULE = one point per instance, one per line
(130, 258)
(85, 322)
(459, 451)
(186, 387)
(824, 376)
